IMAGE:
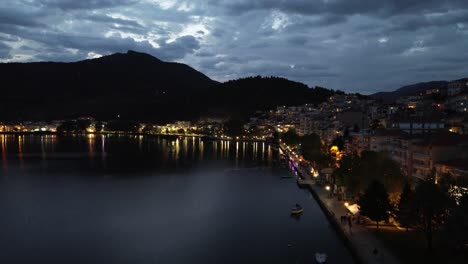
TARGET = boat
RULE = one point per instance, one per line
(297, 209)
(320, 257)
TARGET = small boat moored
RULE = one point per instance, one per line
(320, 257)
(297, 209)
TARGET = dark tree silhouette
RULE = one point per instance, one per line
(375, 204)
(123, 126)
(339, 142)
(346, 171)
(74, 126)
(311, 146)
(404, 213)
(234, 126)
(291, 138)
(432, 204)
(457, 224)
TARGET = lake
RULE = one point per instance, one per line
(139, 199)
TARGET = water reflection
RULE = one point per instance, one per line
(4, 151)
(160, 151)
(163, 209)
(91, 142)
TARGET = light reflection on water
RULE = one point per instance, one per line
(133, 199)
(17, 148)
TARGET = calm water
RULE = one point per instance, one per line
(153, 200)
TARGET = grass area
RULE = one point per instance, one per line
(411, 247)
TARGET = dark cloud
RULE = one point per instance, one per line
(416, 22)
(205, 54)
(178, 49)
(298, 40)
(23, 18)
(4, 51)
(83, 4)
(437, 68)
(6, 37)
(354, 45)
(110, 20)
(341, 7)
(461, 58)
(60, 54)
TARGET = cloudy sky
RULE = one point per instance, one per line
(353, 45)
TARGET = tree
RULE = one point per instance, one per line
(291, 138)
(356, 172)
(432, 204)
(311, 147)
(234, 126)
(324, 160)
(276, 137)
(457, 224)
(405, 214)
(375, 124)
(379, 166)
(74, 126)
(375, 203)
(339, 142)
(123, 125)
(345, 173)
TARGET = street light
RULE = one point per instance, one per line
(327, 187)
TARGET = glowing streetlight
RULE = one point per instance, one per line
(327, 187)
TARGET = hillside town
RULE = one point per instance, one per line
(343, 150)
(425, 132)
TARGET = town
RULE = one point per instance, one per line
(343, 150)
(421, 132)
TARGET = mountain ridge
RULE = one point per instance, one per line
(412, 89)
(136, 85)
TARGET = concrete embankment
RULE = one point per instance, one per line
(361, 243)
(331, 216)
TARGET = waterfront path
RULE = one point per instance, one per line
(361, 240)
(358, 238)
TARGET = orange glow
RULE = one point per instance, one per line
(4, 149)
(334, 149)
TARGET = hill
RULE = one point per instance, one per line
(413, 89)
(261, 93)
(137, 86)
(115, 84)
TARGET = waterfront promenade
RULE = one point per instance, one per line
(359, 239)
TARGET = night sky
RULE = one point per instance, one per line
(356, 46)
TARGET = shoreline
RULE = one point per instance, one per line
(336, 226)
(304, 184)
(205, 137)
(359, 241)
